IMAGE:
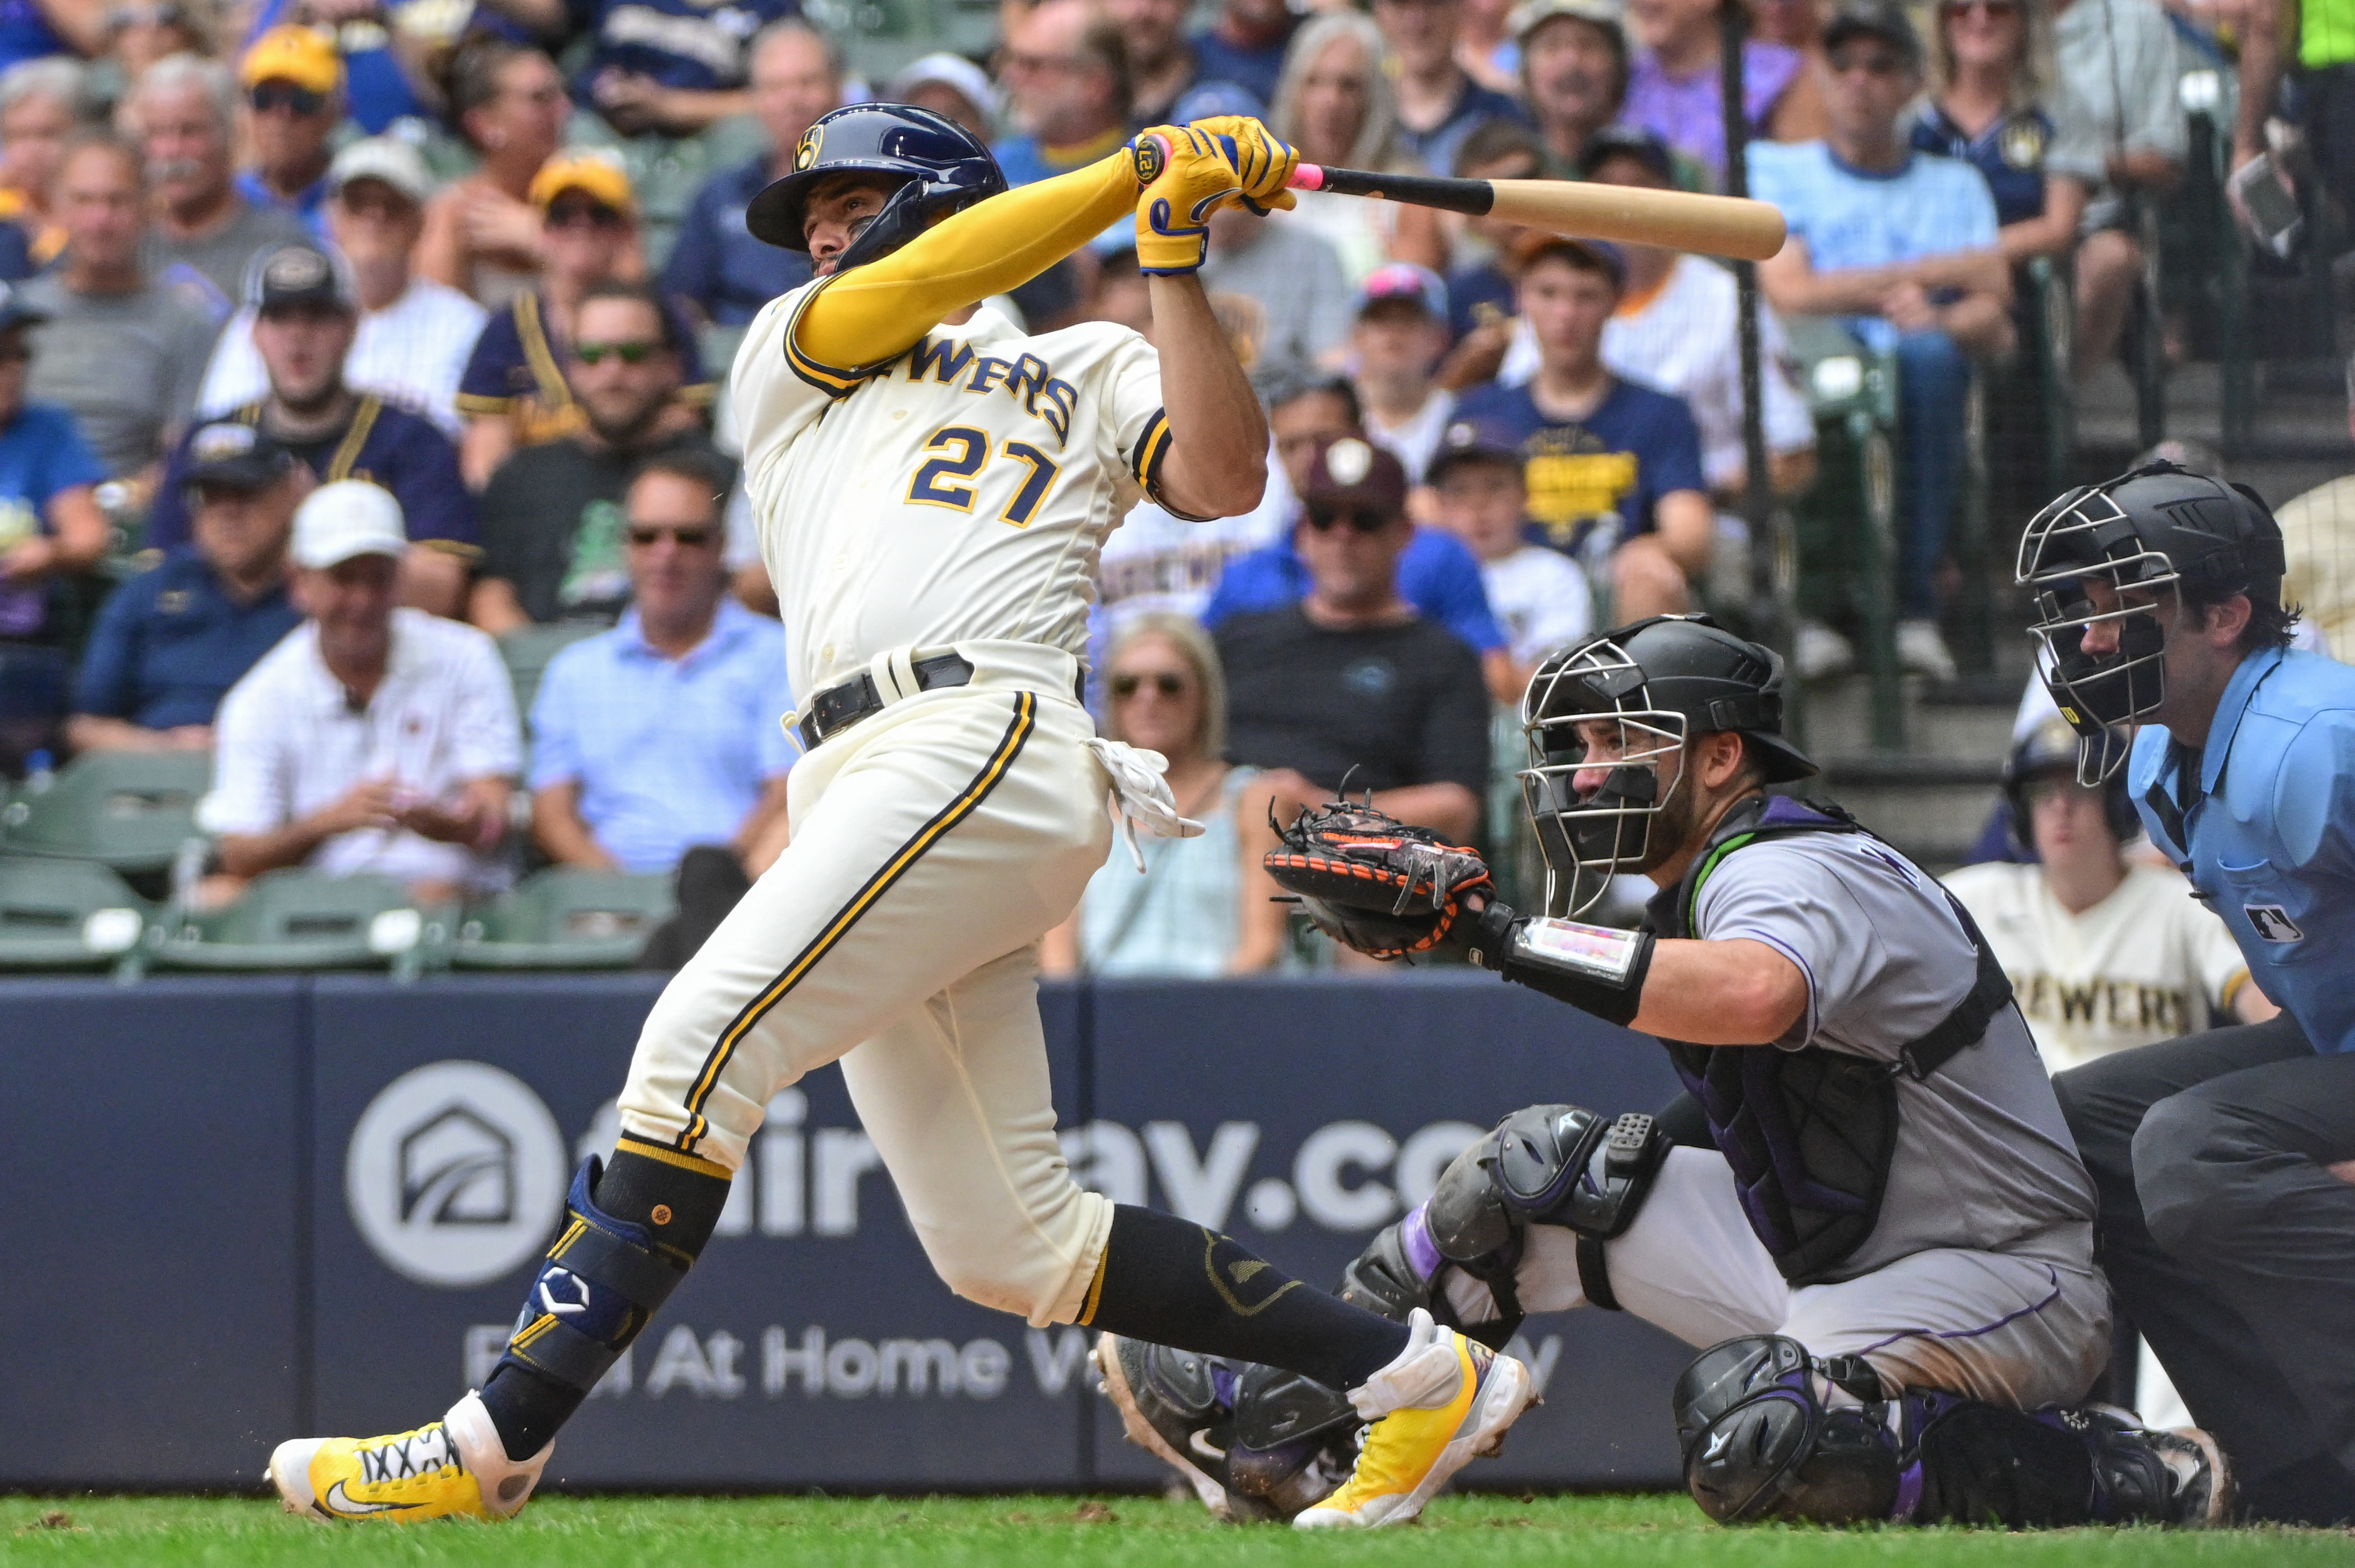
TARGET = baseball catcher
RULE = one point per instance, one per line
(1866, 1206)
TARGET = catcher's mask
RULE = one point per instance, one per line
(1619, 705)
(2143, 533)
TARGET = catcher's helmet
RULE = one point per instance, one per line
(2051, 747)
(2155, 528)
(945, 168)
(1664, 680)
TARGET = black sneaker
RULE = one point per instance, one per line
(1170, 1405)
(2179, 1478)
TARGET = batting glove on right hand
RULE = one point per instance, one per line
(1189, 172)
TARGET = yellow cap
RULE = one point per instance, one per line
(300, 54)
(596, 172)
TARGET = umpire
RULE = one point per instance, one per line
(2227, 1217)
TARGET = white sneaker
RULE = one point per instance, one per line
(1819, 652)
(1921, 650)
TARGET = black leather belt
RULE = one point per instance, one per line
(839, 706)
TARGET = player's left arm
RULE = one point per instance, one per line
(1216, 465)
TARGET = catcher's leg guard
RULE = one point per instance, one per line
(1759, 1443)
(1556, 1165)
(1763, 1441)
(1292, 1442)
(603, 1281)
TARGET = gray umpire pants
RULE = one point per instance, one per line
(2232, 1246)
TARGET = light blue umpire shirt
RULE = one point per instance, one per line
(668, 753)
(2267, 828)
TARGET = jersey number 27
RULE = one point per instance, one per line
(963, 450)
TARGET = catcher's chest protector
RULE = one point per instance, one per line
(1809, 1133)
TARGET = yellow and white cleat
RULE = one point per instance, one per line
(450, 1468)
(1444, 1402)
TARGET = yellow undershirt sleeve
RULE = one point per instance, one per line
(877, 311)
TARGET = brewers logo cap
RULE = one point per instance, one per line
(230, 456)
(297, 275)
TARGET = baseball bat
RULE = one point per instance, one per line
(1678, 220)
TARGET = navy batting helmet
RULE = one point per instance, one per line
(2049, 749)
(944, 166)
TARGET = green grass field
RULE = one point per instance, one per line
(1106, 1532)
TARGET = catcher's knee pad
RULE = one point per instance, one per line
(1760, 1443)
(1553, 1165)
(1290, 1443)
(602, 1282)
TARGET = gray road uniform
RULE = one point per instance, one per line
(1975, 1275)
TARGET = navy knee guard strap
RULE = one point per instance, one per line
(603, 1281)
(1555, 1165)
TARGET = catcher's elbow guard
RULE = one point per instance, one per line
(1596, 968)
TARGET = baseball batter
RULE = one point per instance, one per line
(932, 486)
(1867, 1207)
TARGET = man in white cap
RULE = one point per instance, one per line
(374, 738)
(414, 334)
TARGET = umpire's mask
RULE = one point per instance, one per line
(1603, 716)
(2158, 530)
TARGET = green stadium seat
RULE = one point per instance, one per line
(566, 917)
(295, 919)
(66, 915)
(130, 810)
(528, 651)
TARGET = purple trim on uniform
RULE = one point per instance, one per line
(1421, 1251)
(1223, 1379)
(1909, 1494)
(2050, 1273)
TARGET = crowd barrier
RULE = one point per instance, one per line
(239, 1209)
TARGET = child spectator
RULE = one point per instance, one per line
(1539, 596)
(1438, 104)
(1399, 336)
(1613, 467)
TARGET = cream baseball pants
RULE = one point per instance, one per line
(933, 844)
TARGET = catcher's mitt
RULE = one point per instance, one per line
(1376, 884)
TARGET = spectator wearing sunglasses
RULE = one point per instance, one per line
(1183, 916)
(206, 234)
(1350, 683)
(555, 547)
(1991, 77)
(516, 391)
(662, 735)
(294, 82)
(305, 319)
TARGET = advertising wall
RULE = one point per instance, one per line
(242, 1210)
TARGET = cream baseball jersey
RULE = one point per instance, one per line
(959, 491)
(2146, 964)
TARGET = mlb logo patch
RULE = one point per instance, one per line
(2272, 923)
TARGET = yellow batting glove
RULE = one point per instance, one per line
(1189, 171)
(1263, 165)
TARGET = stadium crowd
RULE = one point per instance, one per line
(363, 420)
(346, 349)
